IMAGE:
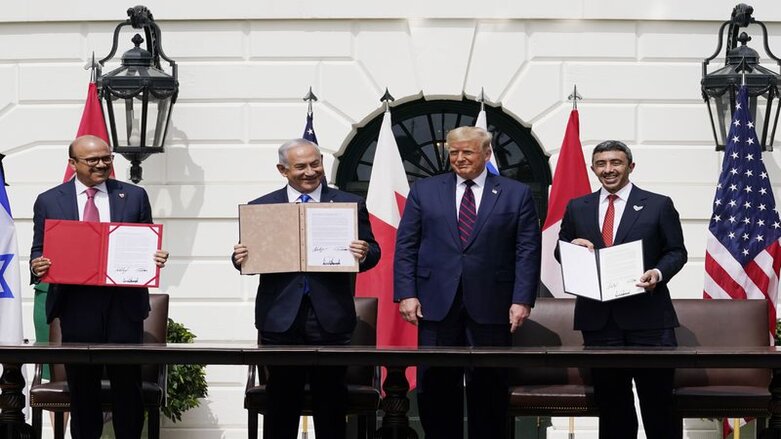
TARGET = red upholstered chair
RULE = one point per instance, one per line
(54, 396)
(363, 394)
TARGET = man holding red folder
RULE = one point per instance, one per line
(96, 314)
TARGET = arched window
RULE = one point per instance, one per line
(420, 128)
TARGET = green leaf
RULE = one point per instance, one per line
(186, 382)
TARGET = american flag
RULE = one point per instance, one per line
(309, 129)
(743, 256)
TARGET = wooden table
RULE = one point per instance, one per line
(395, 405)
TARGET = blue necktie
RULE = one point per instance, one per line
(305, 198)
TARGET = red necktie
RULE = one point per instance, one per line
(610, 216)
(467, 213)
(90, 209)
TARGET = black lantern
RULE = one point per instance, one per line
(138, 96)
(720, 87)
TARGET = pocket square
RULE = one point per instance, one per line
(637, 208)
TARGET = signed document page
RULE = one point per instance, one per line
(604, 274)
(130, 256)
(620, 269)
(92, 253)
(329, 229)
(579, 270)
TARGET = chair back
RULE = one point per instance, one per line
(364, 334)
(550, 324)
(728, 323)
(155, 331)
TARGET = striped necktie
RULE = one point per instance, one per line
(610, 216)
(467, 213)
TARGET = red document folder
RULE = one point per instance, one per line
(79, 252)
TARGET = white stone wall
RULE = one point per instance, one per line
(244, 66)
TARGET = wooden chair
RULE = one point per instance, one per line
(363, 394)
(721, 393)
(547, 391)
(54, 396)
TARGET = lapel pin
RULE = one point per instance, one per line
(121, 195)
(494, 191)
(638, 208)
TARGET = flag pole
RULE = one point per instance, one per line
(2, 171)
(387, 98)
(736, 428)
(92, 66)
(309, 98)
(574, 97)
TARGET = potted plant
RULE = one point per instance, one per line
(186, 382)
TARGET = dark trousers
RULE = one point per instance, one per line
(286, 384)
(93, 317)
(441, 389)
(613, 387)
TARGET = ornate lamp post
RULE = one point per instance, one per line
(720, 87)
(138, 97)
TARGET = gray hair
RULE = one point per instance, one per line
(612, 145)
(469, 134)
(290, 144)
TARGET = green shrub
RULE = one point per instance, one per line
(186, 382)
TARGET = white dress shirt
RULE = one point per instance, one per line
(293, 195)
(477, 190)
(101, 200)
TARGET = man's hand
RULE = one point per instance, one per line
(410, 310)
(40, 265)
(161, 256)
(359, 249)
(648, 280)
(239, 253)
(583, 243)
(518, 313)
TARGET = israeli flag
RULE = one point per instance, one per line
(10, 281)
(481, 122)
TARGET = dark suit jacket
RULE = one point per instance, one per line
(128, 203)
(331, 294)
(499, 266)
(647, 216)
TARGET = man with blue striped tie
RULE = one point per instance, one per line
(308, 308)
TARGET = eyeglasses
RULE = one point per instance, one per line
(92, 161)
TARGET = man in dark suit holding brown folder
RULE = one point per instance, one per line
(96, 314)
(308, 308)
